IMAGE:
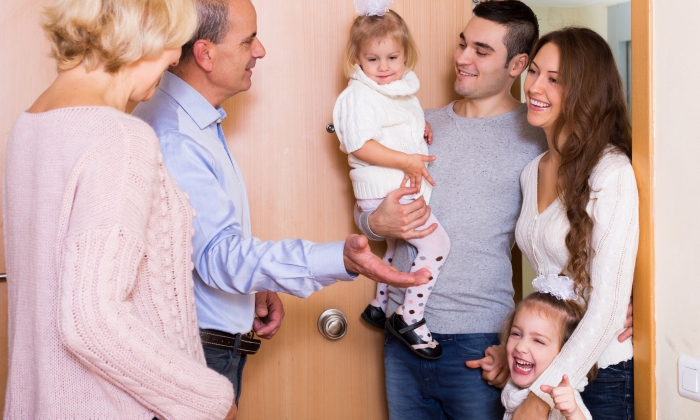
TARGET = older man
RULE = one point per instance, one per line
(235, 274)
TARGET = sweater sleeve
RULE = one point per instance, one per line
(103, 247)
(357, 119)
(615, 214)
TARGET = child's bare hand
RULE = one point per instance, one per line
(415, 170)
(563, 397)
(428, 133)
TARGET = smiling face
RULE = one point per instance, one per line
(382, 60)
(480, 60)
(533, 343)
(542, 92)
(237, 54)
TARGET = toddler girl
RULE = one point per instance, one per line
(534, 334)
(380, 124)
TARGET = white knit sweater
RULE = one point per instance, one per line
(614, 208)
(102, 322)
(388, 114)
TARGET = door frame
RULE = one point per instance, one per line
(643, 162)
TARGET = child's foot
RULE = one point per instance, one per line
(407, 334)
(374, 315)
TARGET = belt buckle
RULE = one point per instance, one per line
(248, 344)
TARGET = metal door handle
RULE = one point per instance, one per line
(332, 324)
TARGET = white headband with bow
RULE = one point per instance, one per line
(372, 7)
(561, 287)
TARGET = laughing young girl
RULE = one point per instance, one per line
(534, 334)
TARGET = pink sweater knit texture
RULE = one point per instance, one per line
(102, 321)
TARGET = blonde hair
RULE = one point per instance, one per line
(566, 313)
(374, 28)
(115, 33)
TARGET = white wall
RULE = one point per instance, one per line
(553, 18)
(677, 197)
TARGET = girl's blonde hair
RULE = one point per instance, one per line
(115, 33)
(374, 28)
(568, 313)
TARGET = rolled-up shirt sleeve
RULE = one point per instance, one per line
(225, 257)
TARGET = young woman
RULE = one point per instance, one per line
(580, 210)
(101, 306)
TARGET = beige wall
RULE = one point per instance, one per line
(553, 18)
(677, 198)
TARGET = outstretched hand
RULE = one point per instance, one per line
(564, 399)
(359, 259)
(494, 366)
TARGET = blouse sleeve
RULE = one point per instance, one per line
(104, 246)
(356, 118)
(615, 214)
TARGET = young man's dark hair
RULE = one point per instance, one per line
(523, 29)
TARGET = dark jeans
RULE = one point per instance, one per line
(227, 363)
(440, 389)
(611, 395)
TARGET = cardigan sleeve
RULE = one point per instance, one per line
(357, 118)
(104, 246)
(615, 214)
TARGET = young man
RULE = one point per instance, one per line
(481, 144)
(235, 272)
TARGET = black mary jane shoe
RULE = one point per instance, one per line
(374, 316)
(404, 332)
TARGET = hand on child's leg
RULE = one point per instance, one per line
(564, 399)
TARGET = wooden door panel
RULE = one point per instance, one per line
(299, 187)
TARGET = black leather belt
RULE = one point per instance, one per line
(239, 343)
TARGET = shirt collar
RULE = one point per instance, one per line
(191, 101)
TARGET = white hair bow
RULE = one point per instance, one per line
(561, 287)
(372, 7)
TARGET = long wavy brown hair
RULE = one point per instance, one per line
(594, 113)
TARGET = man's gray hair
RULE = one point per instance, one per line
(212, 25)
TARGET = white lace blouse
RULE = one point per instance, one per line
(614, 208)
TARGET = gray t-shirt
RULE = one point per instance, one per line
(477, 200)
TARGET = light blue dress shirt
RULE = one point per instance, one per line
(230, 265)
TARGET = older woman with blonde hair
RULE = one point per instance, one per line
(102, 321)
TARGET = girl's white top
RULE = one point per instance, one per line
(388, 114)
(614, 208)
(512, 397)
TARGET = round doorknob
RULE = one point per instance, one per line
(332, 324)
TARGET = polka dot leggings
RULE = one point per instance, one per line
(432, 252)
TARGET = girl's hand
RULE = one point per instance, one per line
(494, 366)
(564, 400)
(415, 170)
(428, 133)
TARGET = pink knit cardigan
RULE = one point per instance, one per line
(102, 321)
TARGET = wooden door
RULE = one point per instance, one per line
(299, 187)
(26, 71)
